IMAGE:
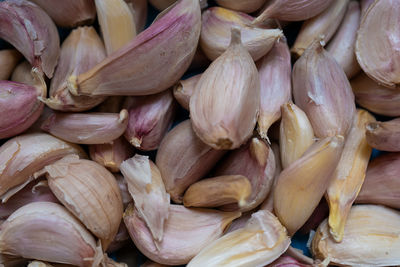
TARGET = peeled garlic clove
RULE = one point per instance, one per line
(275, 85)
(138, 9)
(123, 72)
(370, 239)
(32, 32)
(324, 25)
(9, 59)
(26, 233)
(296, 134)
(301, 186)
(375, 97)
(186, 232)
(256, 161)
(184, 89)
(116, 23)
(247, 6)
(259, 243)
(215, 33)
(149, 119)
(292, 10)
(224, 109)
(349, 175)
(322, 90)
(287, 261)
(384, 135)
(161, 4)
(87, 128)
(90, 192)
(22, 156)
(380, 64)
(342, 45)
(148, 192)
(111, 155)
(183, 159)
(217, 191)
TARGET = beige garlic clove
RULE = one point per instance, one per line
(87, 128)
(322, 26)
(170, 53)
(275, 85)
(184, 89)
(148, 192)
(138, 9)
(186, 232)
(161, 4)
(322, 90)
(215, 33)
(47, 231)
(301, 186)
(9, 59)
(150, 117)
(183, 159)
(90, 192)
(349, 175)
(22, 156)
(375, 97)
(384, 135)
(342, 45)
(23, 74)
(247, 6)
(32, 32)
(80, 51)
(377, 49)
(296, 134)
(370, 239)
(259, 243)
(218, 191)
(225, 103)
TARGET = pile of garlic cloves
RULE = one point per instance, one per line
(208, 138)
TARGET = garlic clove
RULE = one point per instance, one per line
(349, 175)
(246, 6)
(138, 9)
(9, 59)
(32, 32)
(365, 4)
(215, 33)
(384, 135)
(186, 232)
(87, 128)
(183, 159)
(123, 188)
(23, 74)
(184, 89)
(287, 261)
(150, 117)
(297, 255)
(259, 243)
(217, 191)
(122, 73)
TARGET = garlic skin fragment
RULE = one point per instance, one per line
(370, 239)
(8, 59)
(186, 232)
(384, 135)
(32, 32)
(184, 89)
(246, 6)
(259, 243)
(166, 47)
(47, 231)
(87, 128)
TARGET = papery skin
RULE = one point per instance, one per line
(186, 232)
(183, 159)
(247, 6)
(184, 89)
(384, 135)
(22, 156)
(166, 47)
(150, 117)
(259, 243)
(139, 12)
(370, 239)
(322, 90)
(32, 32)
(47, 231)
(87, 128)
(275, 85)
(9, 59)
(215, 33)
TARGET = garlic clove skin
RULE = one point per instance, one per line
(9, 59)
(246, 6)
(138, 9)
(32, 32)
(184, 89)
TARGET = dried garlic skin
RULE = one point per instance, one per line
(184, 89)
(9, 59)
(384, 135)
(246, 6)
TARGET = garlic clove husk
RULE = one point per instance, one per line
(138, 9)
(215, 33)
(32, 32)
(349, 175)
(322, 90)
(186, 232)
(87, 128)
(384, 135)
(9, 59)
(259, 243)
(183, 159)
(122, 73)
(246, 6)
(224, 109)
(148, 192)
(184, 89)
